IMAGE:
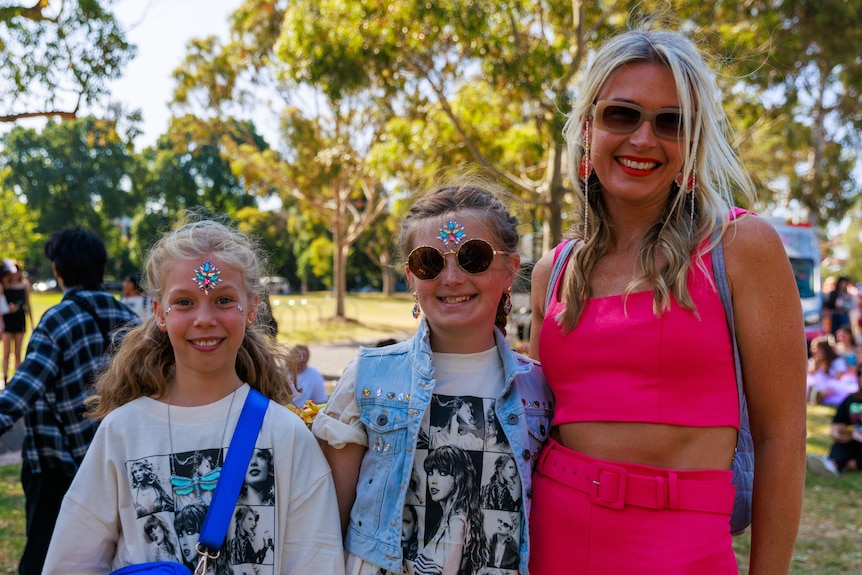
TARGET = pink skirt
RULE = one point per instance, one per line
(594, 517)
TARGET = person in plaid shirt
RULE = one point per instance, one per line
(49, 387)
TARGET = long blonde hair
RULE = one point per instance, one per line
(708, 159)
(144, 363)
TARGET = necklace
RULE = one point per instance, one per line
(207, 482)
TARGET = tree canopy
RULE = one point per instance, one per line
(369, 101)
(58, 56)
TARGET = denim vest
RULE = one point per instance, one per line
(392, 417)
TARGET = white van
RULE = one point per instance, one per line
(800, 243)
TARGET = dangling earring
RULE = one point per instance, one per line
(585, 173)
(692, 179)
(507, 303)
(689, 189)
(417, 311)
(691, 214)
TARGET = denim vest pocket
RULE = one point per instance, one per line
(386, 425)
(538, 429)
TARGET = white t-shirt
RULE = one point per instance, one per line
(148, 477)
(464, 397)
(140, 304)
(313, 387)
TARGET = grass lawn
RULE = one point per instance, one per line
(829, 536)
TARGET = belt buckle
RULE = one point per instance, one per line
(603, 482)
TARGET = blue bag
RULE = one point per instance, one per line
(154, 568)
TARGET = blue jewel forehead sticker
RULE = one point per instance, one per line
(451, 233)
(207, 276)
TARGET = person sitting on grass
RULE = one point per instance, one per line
(845, 454)
(829, 380)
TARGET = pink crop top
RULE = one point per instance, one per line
(629, 365)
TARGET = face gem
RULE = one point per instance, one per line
(451, 233)
(207, 276)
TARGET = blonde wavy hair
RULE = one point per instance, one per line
(143, 364)
(708, 158)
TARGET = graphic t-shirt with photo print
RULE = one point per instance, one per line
(172, 494)
(462, 509)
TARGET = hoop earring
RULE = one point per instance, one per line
(585, 172)
(417, 311)
(507, 302)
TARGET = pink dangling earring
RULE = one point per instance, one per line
(690, 188)
(691, 185)
(586, 166)
(417, 311)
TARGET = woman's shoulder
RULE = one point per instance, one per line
(543, 267)
(748, 229)
(752, 244)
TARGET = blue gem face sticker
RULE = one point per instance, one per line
(451, 233)
(207, 276)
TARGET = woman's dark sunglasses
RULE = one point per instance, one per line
(625, 118)
(473, 256)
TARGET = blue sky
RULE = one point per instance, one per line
(161, 29)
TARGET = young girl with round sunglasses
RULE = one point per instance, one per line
(635, 343)
(175, 388)
(413, 413)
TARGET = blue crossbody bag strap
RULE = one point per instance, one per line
(232, 475)
(559, 264)
(743, 461)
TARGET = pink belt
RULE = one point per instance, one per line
(615, 486)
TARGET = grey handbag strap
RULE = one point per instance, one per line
(720, 272)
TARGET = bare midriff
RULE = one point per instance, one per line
(657, 445)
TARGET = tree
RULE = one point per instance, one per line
(58, 56)
(73, 172)
(17, 227)
(188, 167)
(791, 85)
(273, 230)
(328, 174)
(418, 55)
(853, 244)
(481, 80)
(325, 144)
(811, 118)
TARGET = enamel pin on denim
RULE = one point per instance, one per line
(207, 276)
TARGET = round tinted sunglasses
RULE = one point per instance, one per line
(625, 118)
(473, 256)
